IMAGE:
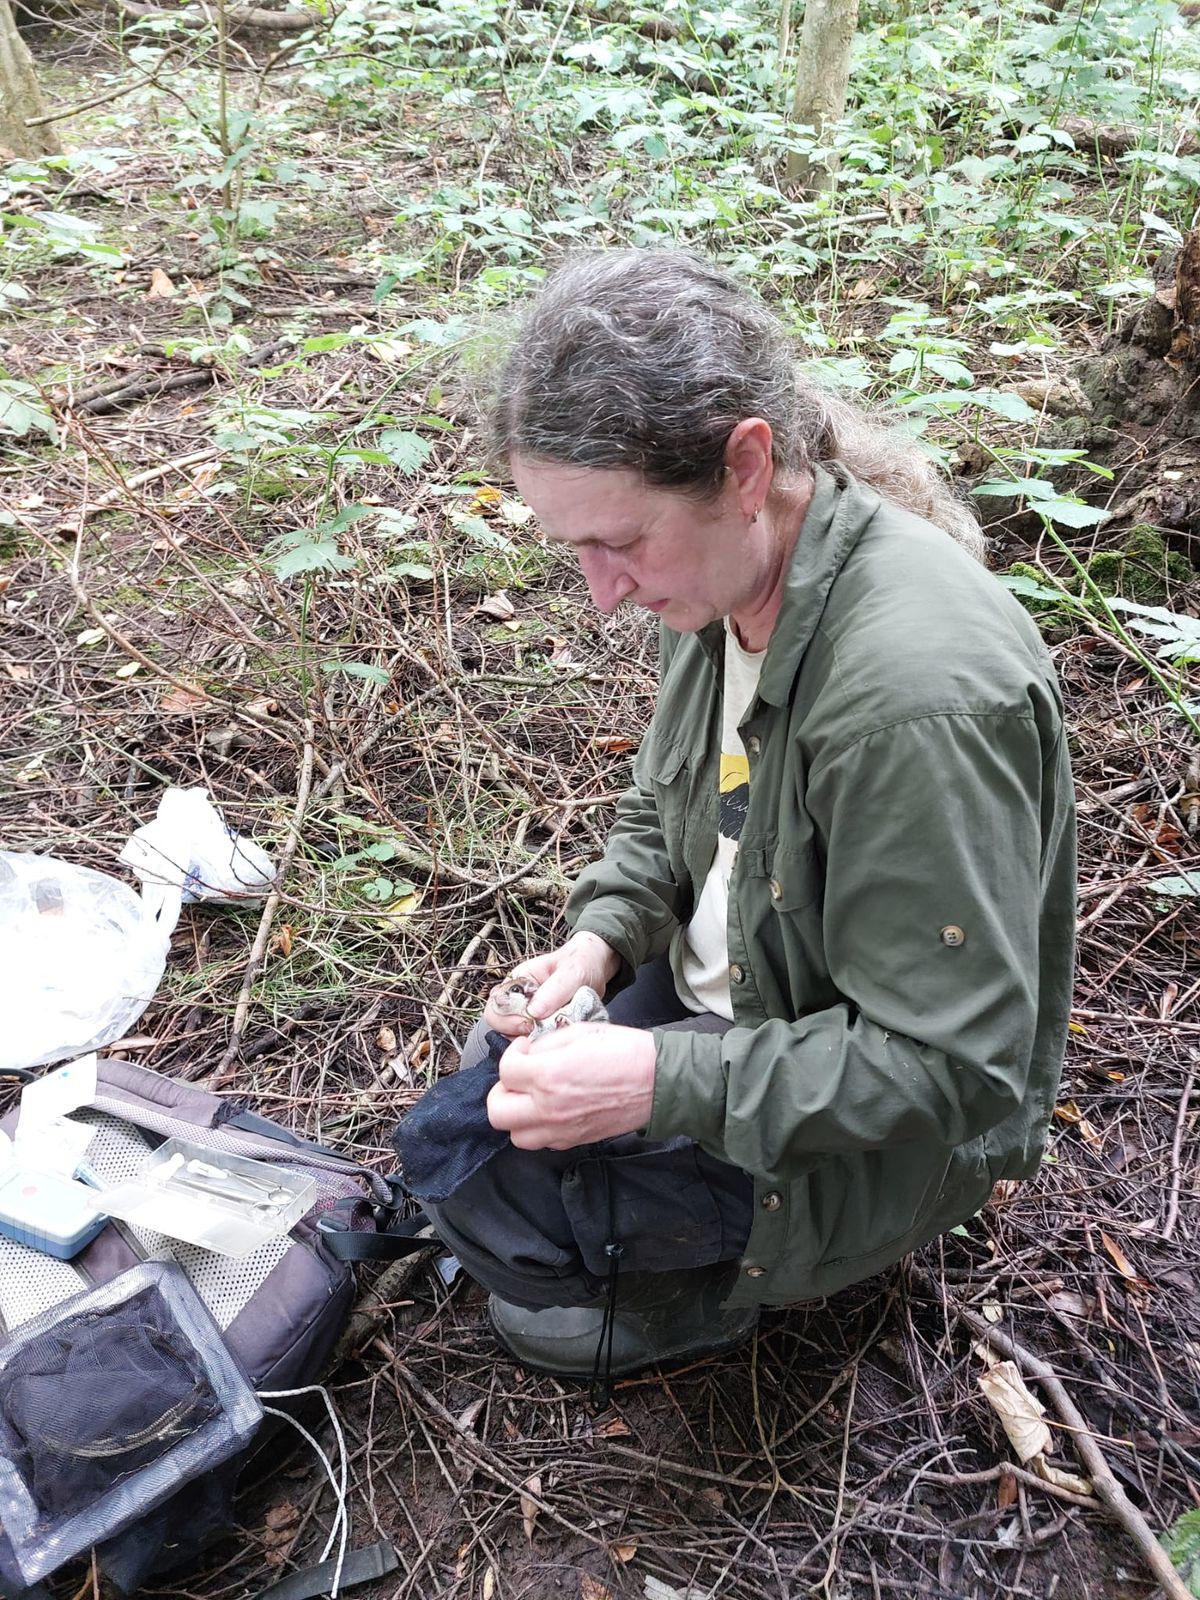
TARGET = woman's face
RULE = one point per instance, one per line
(688, 561)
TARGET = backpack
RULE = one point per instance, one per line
(279, 1310)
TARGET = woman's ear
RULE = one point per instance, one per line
(749, 465)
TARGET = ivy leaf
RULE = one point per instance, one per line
(313, 555)
(1020, 583)
(1073, 513)
(21, 415)
(405, 450)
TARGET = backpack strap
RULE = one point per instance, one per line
(359, 1566)
(391, 1238)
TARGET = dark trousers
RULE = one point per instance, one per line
(533, 1225)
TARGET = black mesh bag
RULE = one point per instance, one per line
(446, 1137)
(98, 1397)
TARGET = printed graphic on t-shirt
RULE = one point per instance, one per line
(735, 795)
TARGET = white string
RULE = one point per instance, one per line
(341, 1519)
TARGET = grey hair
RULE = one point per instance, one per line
(648, 360)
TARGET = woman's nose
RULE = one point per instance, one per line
(607, 584)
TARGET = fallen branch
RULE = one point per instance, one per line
(148, 388)
(112, 497)
(104, 399)
(387, 1073)
(1116, 1502)
(1168, 1230)
(221, 1074)
(374, 1305)
(63, 112)
(242, 19)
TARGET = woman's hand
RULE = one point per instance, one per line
(574, 1086)
(584, 959)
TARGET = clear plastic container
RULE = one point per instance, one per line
(227, 1203)
(108, 1404)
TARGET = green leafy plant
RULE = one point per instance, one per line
(1182, 1544)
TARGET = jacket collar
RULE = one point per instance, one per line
(837, 514)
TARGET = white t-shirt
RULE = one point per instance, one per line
(700, 952)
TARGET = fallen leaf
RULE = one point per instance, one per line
(182, 702)
(516, 512)
(1121, 1261)
(529, 1505)
(1068, 1303)
(614, 743)
(18, 671)
(161, 287)
(263, 706)
(399, 910)
(1006, 1491)
(389, 351)
(993, 1311)
(470, 1416)
(281, 944)
(486, 499)
(1071, 1114)
(497, 606)
(33, 768)
(5, 581)
(656, 1589)
(612, 1428)
(489, 1583)
(1020, 1412)
(386, 1041)
(91, 636)
(592, 1589)
(863, 289)
(623, 1552)
(280, 1528)
(1077, 1027)
(128, 670)
(1062, 1479)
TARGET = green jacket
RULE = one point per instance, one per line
(902, 909)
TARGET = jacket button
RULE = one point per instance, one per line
(737, 974)
(776, 889)
(771, 1201)
(756, 1272)
(952, 935)
(754, 744)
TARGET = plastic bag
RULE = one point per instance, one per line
(80, 957)
(81, 953)
(188, 846)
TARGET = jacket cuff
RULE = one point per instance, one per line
(614, 933)
(690, 1087)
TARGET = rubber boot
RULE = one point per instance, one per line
(661, 1317)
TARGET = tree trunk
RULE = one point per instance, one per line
(20, 97)
(822, 77)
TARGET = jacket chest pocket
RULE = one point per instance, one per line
(670, 775)
(795, 880)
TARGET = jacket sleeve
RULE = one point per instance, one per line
(630, 896)
(931, 830)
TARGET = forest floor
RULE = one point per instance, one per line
(285, 576)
